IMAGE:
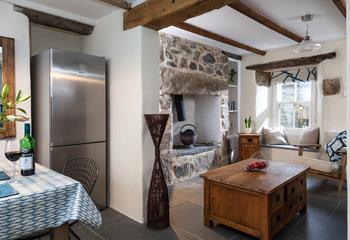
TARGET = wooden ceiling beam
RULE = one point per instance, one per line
(294, 62)
(118, 3)
(341, 5)
(232, 55)
(55, 21)
(217, 37)
(245, 10)
(158, 14)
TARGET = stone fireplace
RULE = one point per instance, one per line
(199, 74)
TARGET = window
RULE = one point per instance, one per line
(294, 104)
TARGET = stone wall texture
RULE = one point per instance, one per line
(209, 66)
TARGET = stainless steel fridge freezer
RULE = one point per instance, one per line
(69, 111)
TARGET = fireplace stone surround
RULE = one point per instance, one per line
(190, 68)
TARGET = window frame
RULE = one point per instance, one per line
(275, 118)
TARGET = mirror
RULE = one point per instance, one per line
(0, 67)
(7, 75)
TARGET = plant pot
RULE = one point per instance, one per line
(247, 130)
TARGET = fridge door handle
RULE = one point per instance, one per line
(51, 120)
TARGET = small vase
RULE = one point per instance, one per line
(247, 130)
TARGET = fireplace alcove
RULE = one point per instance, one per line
(202, 111)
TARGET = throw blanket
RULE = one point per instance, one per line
(338, 143)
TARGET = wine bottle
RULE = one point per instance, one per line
(27, 145)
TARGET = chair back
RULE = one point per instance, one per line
(83, 169)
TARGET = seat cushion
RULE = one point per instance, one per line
(319, 165)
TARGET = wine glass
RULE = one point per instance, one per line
(13, 153)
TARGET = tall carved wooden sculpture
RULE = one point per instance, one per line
(158, 199)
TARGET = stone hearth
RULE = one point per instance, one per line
(194, 69)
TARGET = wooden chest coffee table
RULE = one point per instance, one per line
(257, 203)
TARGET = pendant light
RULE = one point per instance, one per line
(307, 44)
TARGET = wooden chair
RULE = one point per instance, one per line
(322, 168)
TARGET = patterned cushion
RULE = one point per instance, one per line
(335, 145)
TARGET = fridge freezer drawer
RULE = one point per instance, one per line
(59, 156)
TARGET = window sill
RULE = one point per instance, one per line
(288, 147)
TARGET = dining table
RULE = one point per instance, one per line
(46, 200)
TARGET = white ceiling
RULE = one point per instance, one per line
(86, 11)
(328, 24)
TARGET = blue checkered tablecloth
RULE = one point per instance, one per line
(46, 200)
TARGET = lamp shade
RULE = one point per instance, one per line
(307, 45)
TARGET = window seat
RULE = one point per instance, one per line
(289, 147)
(286, 153)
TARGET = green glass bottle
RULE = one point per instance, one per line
(27, 145)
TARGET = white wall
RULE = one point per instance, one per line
(150, 49)
(133, 75)
(348, 94)
(255, 101)
(189, 102)
(42, 38)
(208, 118)
(16, 25)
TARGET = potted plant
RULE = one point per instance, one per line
(5, 114)
(248, 125)
(232, 79)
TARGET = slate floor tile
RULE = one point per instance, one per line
(189, 217)
(122, 228)
(86, 234)
(174, 200)
(319, 229)
(326, 189)
(326, 218)
(110, 214)
(191, 192)
(243, 236)
(320, 207)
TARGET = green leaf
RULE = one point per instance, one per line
(23, 98)
(13, 117)
(16, 118)
(22, 110)
(5, 91)
(19, 94)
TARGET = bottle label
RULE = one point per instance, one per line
(27, 161)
